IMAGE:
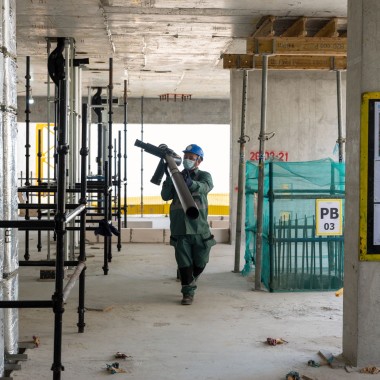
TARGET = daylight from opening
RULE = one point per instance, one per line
(214, 139)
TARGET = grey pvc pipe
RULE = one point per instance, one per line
(189, 206)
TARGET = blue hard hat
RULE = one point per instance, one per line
(193, 148)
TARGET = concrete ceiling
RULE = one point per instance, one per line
(158, 46)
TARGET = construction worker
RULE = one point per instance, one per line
(191, 238)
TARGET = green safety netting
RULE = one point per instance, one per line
(293, 257)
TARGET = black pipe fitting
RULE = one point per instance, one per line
(84, 151)
(60, 218)
(58, 303)
(63, 149)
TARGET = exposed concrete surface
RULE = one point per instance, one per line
(195, 111)
(362, 302)
(135, 309)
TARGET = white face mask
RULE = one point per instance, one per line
(188, 164)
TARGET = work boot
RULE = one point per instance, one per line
(187, 299)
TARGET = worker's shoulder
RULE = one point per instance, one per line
(203, 174)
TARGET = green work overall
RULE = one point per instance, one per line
(191, 238)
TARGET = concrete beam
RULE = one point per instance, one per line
(194, 111)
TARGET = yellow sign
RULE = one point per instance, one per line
(44, 156)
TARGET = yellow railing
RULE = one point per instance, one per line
(218, 205)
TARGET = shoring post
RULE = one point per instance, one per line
(48, 143)
(27, 150)
(58, 303)
(39, 181)
(56, 118)
(110, 112)
(119, 194)
(341, 140)
(113, 179)
(125, 152)
(260, 192)
(99, 158)
(82, 234)
(241, 176)
(106, 196)
(142, 160)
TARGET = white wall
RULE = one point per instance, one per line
(214, 140)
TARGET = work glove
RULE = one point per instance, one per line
(164, 147)
(166, 170)
(187, 178)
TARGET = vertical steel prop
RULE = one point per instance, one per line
(82, 234)
(58, 304)
(142, 159)
(260, 192)
(96, 103)
(110, 113)
(115, 145)
(119, 193)
(27, 152)
(49, 214)
(340, 140)
(39, 182)
(125, 207)
(106, 196)
(241, 176)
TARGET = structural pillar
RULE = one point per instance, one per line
(361, 308)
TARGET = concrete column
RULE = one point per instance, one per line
(361, 308)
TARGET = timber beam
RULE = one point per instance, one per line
(284, 62)
(322, 46)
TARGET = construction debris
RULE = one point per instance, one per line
(36, 341)
(114, 368)
(292, 375)
(120, 355)
(350, 368)
(327, 355)
(313, 363)
(333, 361)
(305, 377)
(104, 309)
(30, 343)
(275, 341)
(371, 370)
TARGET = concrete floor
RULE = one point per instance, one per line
(136, 310)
